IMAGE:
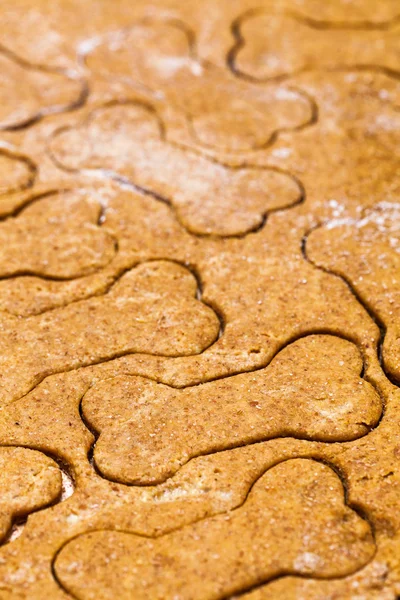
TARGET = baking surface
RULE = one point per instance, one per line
(200, 299)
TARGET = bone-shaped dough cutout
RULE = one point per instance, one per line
(366, 252)
(29, 92)
(160, 58)
(276, 46)
(151, 309)
(127, 140)
(312, 389)
(29, 480)
(294, 520)
(17, 172)
(56, 236)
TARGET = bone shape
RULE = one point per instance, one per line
(293, 521)
(275, 46)
(159, 57)
(151, 309)
(312, 389)
(127, 140)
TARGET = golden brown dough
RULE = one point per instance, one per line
(274, 46)
(30, 92)
(57, 236)
(160, 58)
(16, 173)
(366, 252)
(223, 554)
(150, 309)
(198, 310)
(29, 481)
(127, 140)
(311, 390)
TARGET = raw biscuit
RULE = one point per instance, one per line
(127, 140)
(150, 309)
(147, 430)
(223, 554)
